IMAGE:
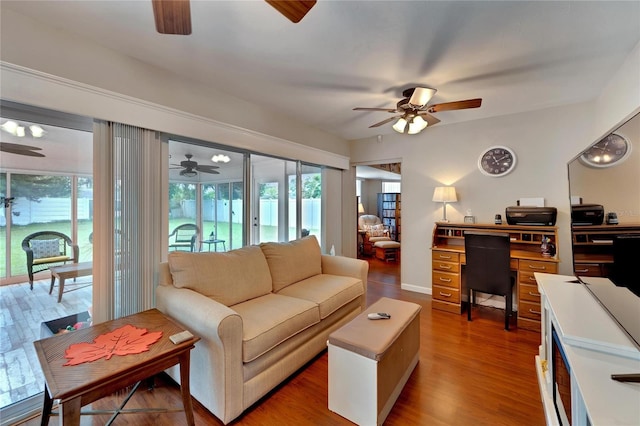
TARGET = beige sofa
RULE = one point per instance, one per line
(261, 312)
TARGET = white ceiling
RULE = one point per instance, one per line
(516, 55)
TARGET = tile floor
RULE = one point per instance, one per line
(22, 311)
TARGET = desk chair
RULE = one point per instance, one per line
(487, 268)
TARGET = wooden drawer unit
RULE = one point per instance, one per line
(588, 269)
(445, 256)
(446, 294)
(537, 266)
(529, 293)
(446, 281)
(528, 296)
(529, 310)
(440, 265)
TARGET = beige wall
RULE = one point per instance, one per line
(544, 142)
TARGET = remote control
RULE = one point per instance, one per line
(183, 336)
(378, 315)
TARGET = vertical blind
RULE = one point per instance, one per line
(127, 218)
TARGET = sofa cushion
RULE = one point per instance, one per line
(227, 277)
(270, 320)
(293, 261)
(330, 292)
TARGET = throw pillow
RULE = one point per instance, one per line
(227, 277)
(45, 248)
(293, 261)
(377, 231)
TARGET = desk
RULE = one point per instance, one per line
(448, 259)
(82, 384)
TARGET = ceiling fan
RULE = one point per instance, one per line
(174, 16)
(191, 168)
(14, 148)
(415, 113)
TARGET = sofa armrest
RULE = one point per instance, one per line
(217, 357)
(348, 267)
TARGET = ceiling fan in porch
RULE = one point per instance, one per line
(174, 16)
(415, 112)
(191, 168)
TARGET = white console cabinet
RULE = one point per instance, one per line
(594, 347)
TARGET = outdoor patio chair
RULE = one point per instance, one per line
(184, 237)
(48, 248)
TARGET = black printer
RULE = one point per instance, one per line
(587, 214)
(526, 215)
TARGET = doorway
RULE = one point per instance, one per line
(378, 193)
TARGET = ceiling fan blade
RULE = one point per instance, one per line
(14, 148)
(430, 119)
(293, 10)
(206, 169)
(421, 96)
(172, 16)
(384, 121)
(449, 106)
(375, 109)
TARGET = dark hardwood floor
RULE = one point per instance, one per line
(470, 373)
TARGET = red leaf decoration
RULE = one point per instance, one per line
(122, 341)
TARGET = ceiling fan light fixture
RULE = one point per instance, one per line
(220, 158)
(36, 131)
(10, 127)
(20, 131)
(417, 125)
(188, 173)
(400, 125)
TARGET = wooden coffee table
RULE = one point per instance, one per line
(78, 385)
(70, 270)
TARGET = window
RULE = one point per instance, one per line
(391, 187)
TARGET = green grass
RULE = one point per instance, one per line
(85, 228)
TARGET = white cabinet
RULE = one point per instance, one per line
(594, 347)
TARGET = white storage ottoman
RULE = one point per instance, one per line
(371, 360)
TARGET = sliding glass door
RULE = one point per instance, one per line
(206, 188)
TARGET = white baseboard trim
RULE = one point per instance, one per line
(415, 288)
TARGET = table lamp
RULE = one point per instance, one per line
(444, 195)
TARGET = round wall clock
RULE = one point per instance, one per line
(607, 152)
(497, 161)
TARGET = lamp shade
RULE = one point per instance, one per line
(445, 194)
(417, 125)
(400, 125)
(360, 208)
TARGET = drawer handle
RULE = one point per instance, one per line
(445, 267)
(542, 268)
(582, 270)
(532, 279)
(534, 294)
(445, 280)
(535, 312)
(445, 294)
(442, 256)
